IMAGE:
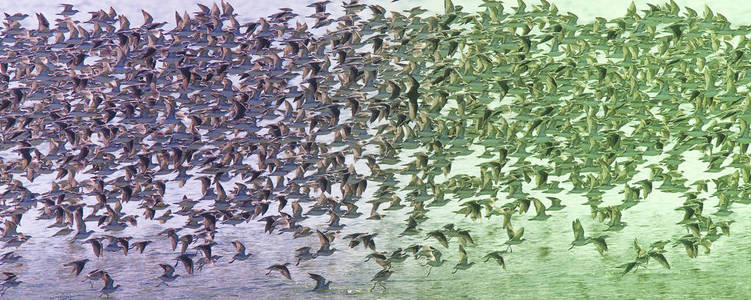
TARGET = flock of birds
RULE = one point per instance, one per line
(320, 124)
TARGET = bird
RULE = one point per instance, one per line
(580, 240)
(168, 274)
(109, 285)
(240, 252)
(498, 257)
(96, 247)
(281, 268)
(67, 10)
(77, 265)
(380, 278)
(540, 209)
(140, 246)
(208, 258)
(94, 275)
(10, 280)
(321, 283)
(9, 257)
(463, 261)
(434, 259)
(187, 263)
(303, 254)
(380, 258)
(438, 236)
(514, 237)
(325, 248)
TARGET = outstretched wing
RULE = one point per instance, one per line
(578, 230)
(462, 255)
(600, 244)
(317, 278)
(539, 207)
(323, 239)
(660, 258)
(628, 267)
(239, 246)
(167, 268)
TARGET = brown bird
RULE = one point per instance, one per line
(282, 268)
(96, 246)
(240, 255)
(321, 283)
(141, 245)
(167, 275)
(77, 265)
(187, 262)
(109, 285)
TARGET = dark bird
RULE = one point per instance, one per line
(96, 246)
(187, 262)
(240, 252)
(109, 285)
(380, 278)
(281, 268)
(77, 265)
(321, 283)
(140, 245)
(168, 274)
(498, 257)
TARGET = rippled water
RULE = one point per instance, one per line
(540, 268)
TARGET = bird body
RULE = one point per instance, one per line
(168, 274)
(321, 283)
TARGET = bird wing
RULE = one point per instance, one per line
(523, 205)
(187, 263)
(317, 278)
(628, 267)
(323, 239)
(448, 6)
(600, 244)
(108, 281)
(615, 215)
(638, 247)
(167, 269)
(464, 234)
(578, 230)
(207, 251)
(660, 258)
(440, 237)
(147, 19)
(539, 207)
(285, 272)
(462, 255)
(239, 246)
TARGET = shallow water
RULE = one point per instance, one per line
(540, 268)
